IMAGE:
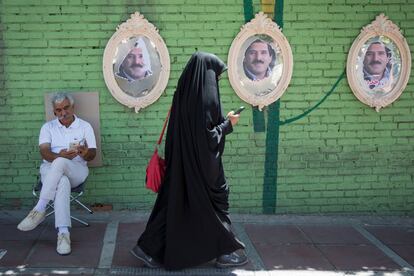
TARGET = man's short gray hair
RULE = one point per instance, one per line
(60, 97)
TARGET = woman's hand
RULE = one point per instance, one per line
(233, 118)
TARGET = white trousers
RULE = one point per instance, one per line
(58, 178)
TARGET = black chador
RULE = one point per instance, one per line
(189, 224)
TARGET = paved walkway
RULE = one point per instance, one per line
(275, 245)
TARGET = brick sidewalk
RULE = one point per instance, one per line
(276, 245)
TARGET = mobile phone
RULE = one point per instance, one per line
(240, 109)
(82, 142)
(73, 145)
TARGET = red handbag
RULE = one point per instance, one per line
(156, 167)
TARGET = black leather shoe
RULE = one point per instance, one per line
(230, 260)
(148, 261)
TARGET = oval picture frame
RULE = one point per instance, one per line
(260, 80)
(136, 63)
(379, 63)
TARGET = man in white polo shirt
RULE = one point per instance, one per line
(66, 144)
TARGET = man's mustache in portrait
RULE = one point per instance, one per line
(256, 61)
(375, 62)
(137, 65)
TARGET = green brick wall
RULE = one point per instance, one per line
(343, 157)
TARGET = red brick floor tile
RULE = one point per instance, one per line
(17, 252)
(293, 256)
(275, 234)
(127, 236)
(393, 234)
(333, 234)
(122, 257)
(86, 245)
(84, 254)
(357, 257)
(130, 231)
(404, 251)
(78, 233)
(9, 232)
(94, 233)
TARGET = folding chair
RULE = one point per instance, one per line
(76, 193)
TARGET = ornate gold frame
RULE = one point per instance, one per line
(136, 26)
(380, 27)
(245, 88)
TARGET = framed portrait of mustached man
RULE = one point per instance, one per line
(136, 63)
(379, 64)
(260, 62)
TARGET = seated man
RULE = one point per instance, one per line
(66, 144)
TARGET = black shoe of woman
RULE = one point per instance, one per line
(147, 260)
(232, 259)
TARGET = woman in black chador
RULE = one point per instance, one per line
(189, 224)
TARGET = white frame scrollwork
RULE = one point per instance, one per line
(380, 30)
(136, 26)
(258, 93)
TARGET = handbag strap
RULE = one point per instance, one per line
(163, 128)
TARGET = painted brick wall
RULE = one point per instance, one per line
(343, 157)
(58, 45)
